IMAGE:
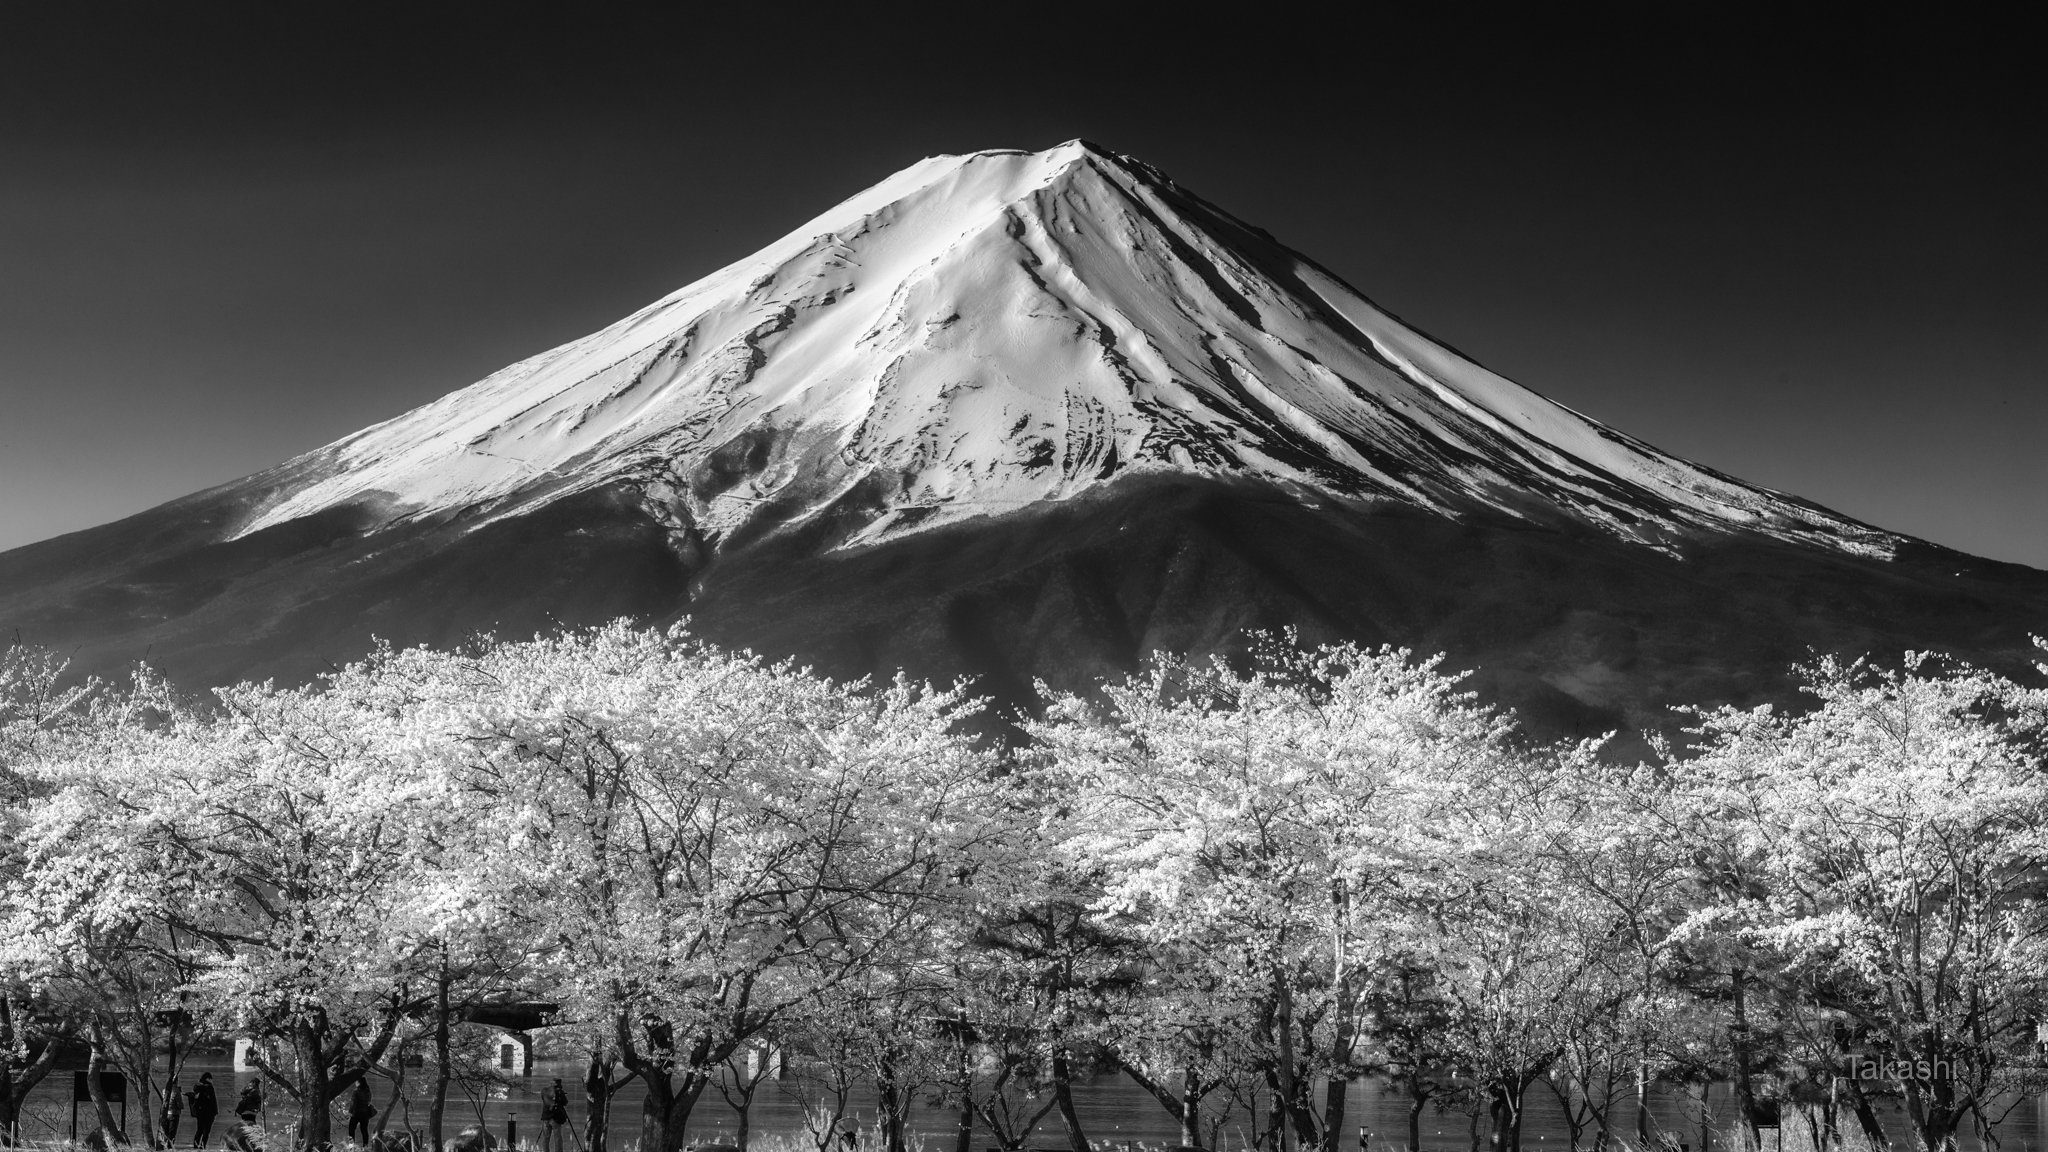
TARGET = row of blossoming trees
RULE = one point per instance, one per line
(1244, 888)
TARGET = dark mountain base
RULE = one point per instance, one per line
(1578, 632)
(298, 599)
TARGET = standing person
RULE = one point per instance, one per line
(174, 1107)
(554, 1110)
(204, 1109)
(361, 1110)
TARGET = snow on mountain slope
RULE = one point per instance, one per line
(985, 332)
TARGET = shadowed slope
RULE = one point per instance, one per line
(1578, 631)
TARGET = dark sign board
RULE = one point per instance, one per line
(112, 1085)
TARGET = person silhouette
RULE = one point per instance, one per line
(204, 1109)
(555, 1113)
(362, 1108)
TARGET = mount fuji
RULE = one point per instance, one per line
(1023, 415)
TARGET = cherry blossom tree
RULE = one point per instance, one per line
(1243, 885)
(1617, 848)
(1518, 958)
(85, 919)
(288, 842)
(1894, 838)
(1037, 996)
(1271, 822)
(37, 710)
(1409, 1019)
(712, 842)
(1183, 1033)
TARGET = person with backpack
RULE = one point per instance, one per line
(361, 1110)
(555, 1112)
(204, 1108)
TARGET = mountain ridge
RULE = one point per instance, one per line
(1022, 415)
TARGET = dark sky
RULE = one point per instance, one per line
(1807, 251)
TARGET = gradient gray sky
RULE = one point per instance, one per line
(1808, 253)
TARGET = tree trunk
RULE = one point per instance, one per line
(1283, 1083)
(316, 1124)
(1643, 1101)
(665, 1113)
(1575, 1112)
(1176, 1105)
(437, 1111)
(1333, 1112)
(893, 1105)
(887, 1109)
(1505, 1106)
(654, 1113)
(1739, 1047)
(1937, 1135)
(1515, 1117)
(1063, 1096)
(1415, 1103)
(397, 1095)
(597, 1098)
(963, 1135)
(10, 1109)
(1191, 1109)
(95, 1067)
(1935, 1121)
(1866, 1116)
(165, 1117)
(743, 1129)
(18, 1079)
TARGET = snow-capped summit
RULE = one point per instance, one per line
(983, 333)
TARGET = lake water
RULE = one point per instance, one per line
(1111, 1108)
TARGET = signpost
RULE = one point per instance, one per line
(112, 1085)
(1768, 1113)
